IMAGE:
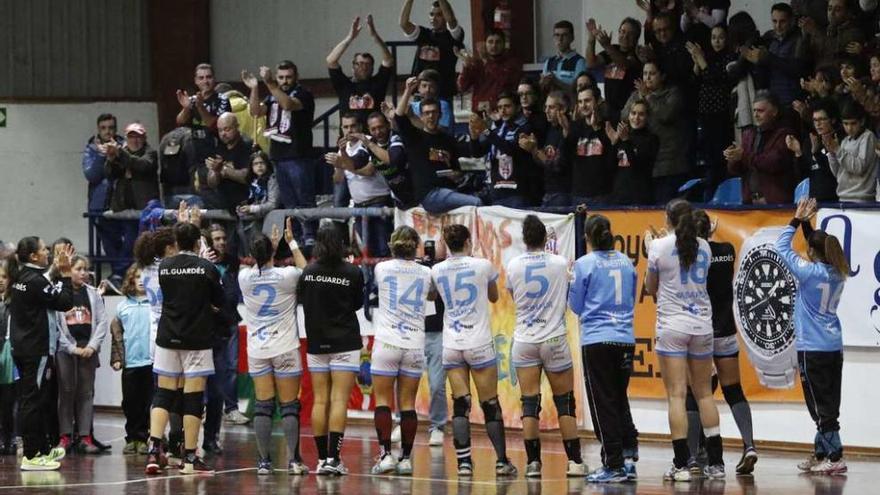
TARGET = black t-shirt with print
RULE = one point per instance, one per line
(592, 170)
(619, 81)
(557, 169)
(290, 132)
(360, 97)
(79, 317)
(435, 50)
(430, 157)
(228, 193)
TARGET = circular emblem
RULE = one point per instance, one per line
(765, 292)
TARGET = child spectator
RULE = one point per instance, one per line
(130, 353)
(263, 196)
(854, 160)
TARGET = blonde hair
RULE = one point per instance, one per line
(404, 242)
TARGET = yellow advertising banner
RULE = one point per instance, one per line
(732, 226)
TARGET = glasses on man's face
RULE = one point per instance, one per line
(525, 93)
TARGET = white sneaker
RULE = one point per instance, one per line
(395, 434)
(236, 417)
(533, 469)
(385, 464)
(404, 467)
(827, 466)
(677, 474)
(435, 439)
(808, 464)
(576, 470)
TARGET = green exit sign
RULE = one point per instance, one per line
(2, 116)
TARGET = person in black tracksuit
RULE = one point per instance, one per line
(719, 284)
(32, 295)
(191, 296)
(331, 291)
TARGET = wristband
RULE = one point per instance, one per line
(293, 245)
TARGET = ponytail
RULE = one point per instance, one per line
(828, 250)
(597, 230)
(702, 223)
(681, 217)
(261, 250)
(404, 242)
(26, 247)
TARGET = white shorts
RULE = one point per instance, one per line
(183, 362)
(390, 360)
(679, 344)
(553, 354)
(726, 346)
(479, 357)
(284, 365)
(334, 361)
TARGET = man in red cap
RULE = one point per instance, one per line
(132, 169)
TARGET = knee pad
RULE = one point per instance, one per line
(291, 409)
(492, 410)
(531, 406)
(733, 394)
(194, 404)
(164, 399)
(690, 402)
(461, 406)
(264, 408)
(565, 405)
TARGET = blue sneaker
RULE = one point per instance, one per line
(630, 468)
(264, 467)
(607, 475)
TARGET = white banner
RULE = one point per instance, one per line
(859, 310)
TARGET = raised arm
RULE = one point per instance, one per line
(387, 58)
(255, 106)
(339, 49)
(285, 101)
(448, 14)
(405, 24)
(403, 104)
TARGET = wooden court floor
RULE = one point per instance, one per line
(434, 471)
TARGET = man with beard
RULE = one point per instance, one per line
(489, 73)
(552, 156)
(388, 156)
(620, 63)
(291, 109)
(364, 91)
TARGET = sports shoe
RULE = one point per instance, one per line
(334, 467)
(827, 466)
(385, 464)
(87, 445)
(404, 467)
(747, 462)
(576, 470)
(142, 448)
(505, 468)
(319, 468)
(175, 454)
(195, 465)
(264, 466)
(465, 468)
(435, 439)
(607, 475)
(131, 448)
(630, 467)
(533, 469)
(65, 442)
(395, 434)
(212, 448)
(297, 468)
(39, 463)
(156, 462)
(235, 417)
(808, 464)
(714, 471)
(695, 467)
(677, 474)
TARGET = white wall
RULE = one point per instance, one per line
(262, 32)
(42, 185)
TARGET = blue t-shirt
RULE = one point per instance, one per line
(603, 296)
(816, 325)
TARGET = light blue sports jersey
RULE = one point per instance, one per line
(603, 295)
(816, 325)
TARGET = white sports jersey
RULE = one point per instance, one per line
(150, 279)
(403, 291)
(538, 282)
(463, 283)
(682, 300)
(270, 302)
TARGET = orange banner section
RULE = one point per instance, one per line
(734, 227)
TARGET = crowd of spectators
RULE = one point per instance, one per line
(691, 91)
